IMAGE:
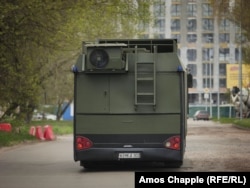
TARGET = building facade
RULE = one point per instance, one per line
(206, 44)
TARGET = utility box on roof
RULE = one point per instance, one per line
(104, 58)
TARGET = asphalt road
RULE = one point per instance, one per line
(217, 147)
(49, 164)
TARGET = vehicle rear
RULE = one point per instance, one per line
(135, 111)
(201, 115)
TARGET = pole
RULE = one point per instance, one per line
(240, 65)
(218, 92)
(206, 86)
(218, 95)
(210, 87)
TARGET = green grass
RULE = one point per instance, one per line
(20, 132)
(236, 121)
(13, 138)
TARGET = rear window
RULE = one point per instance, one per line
(203, 112)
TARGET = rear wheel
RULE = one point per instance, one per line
(88, 165)
(97, 164)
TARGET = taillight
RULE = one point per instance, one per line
(173, 142)
(83, 143)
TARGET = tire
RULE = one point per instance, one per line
(88, 165)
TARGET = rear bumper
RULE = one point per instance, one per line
(112, 155)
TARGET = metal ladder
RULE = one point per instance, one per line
(145, 78)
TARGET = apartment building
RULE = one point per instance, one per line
(206, 44)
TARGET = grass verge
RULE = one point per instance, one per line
(20, 132)
(245, 123)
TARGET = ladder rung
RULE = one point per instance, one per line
(144, 103)
(145, 62)
(145, 93)
(145, 79)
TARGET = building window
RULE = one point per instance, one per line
(224, 37)
(224, 25)
(175, 25)
(206, 69)
(193, 69)
(159, 25)
(222, 69)
(191, 25)
(207, 54)
(207, 38)
(240, 38)
(176, 36)
(191, 38)
(206, 83)
(207, 24)
(192, 10)
(223, 82)
(159, 9)
(237, 54)
(193, 97)
(207, 9)
(175, 10)
(224, 54)
(191, 54)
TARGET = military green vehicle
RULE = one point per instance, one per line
(130, 102)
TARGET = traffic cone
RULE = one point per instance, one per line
(32, 131)
(39, 132)
(5, 127)
(48, 133)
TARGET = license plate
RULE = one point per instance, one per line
(129, 155)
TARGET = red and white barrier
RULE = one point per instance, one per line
(5, 127)
(32, 131)
(42, 132)
(48, 133)
(39, 133)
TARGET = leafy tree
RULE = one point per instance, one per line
(40, 40)
(238, 12)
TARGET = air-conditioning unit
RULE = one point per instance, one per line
(104, 58)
